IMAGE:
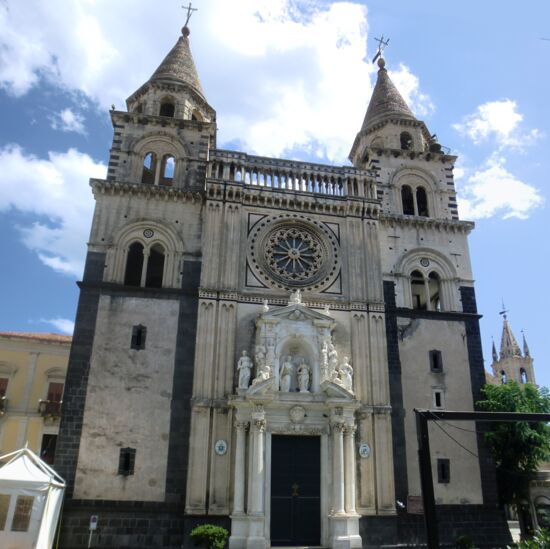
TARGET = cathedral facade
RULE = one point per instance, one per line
(253, 335)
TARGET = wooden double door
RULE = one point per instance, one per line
(295, 490)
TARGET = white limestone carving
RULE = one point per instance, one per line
(285, 375)
(345, 373)
(244, 367)
(295, 297)
(303, 376)
(263, 370)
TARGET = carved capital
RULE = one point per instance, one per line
(349, 430)
(259, 425)
(241, 425)
(337, 426)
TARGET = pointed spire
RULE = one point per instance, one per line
(526, 351)
(178, 66)
(508, 345)
(386, 101)
(495, 354)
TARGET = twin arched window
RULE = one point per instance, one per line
(155, 173)
(144, 267)
(426, 291)
(414, 201)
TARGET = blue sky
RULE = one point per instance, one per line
(287, 79)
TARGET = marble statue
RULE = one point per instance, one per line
(332, 361)
(244, 367)
(346, 374)
(327, 310)
(263, 370)
(265, 306)
(295, 298)
(303, 376)
(324, 360)
(285, 375)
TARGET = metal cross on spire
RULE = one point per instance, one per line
(190, 9)
(381, 47)
(504, 310)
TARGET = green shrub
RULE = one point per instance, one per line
(210, 536)
(464, 542)
(541, 540)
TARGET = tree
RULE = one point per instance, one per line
(518, 448)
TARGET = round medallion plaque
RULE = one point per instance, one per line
(220, 447)
(364, 450)
(148, 233)
(425, 262)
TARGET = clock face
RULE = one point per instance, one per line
(293, 252)
(364, 450)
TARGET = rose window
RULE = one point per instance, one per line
(293, 253)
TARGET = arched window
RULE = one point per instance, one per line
(433, 290)
(406, 141)
(149, 168)
(523, 375)
(503, 377)
(422, 202)
(167, 108)
(167, 170)
(134, 265)
(155, 267)
(407, 200)
(418, 291)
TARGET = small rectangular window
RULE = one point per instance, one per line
(47, 450)
(138, 337)
(438, 399)
(4, 506)
(443, 471)
(436, 362)
(126, 461)
(22, 514)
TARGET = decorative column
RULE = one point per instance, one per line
(337, 469)
(257, 500)
(240, 460)
(349, 468)
(239, 521)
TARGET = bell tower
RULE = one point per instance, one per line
(124, 436)
(511, 364)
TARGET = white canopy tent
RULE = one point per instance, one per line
(31, 494)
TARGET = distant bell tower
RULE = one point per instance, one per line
(511, 364)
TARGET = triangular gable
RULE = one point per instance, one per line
(298, 311)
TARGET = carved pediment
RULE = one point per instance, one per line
(299, 313)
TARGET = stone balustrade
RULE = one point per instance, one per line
(303, 177)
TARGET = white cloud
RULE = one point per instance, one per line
(63, 325)
(408, 85)
(492, 190)
(499, 120)
(286, 77)
(56, 192)
(68, 121)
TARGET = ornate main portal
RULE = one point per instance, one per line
(301, 389)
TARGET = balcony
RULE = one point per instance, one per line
(291, 176)
(50, 409)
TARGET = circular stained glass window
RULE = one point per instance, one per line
(294, 253)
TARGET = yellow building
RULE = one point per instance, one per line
(33, 367)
